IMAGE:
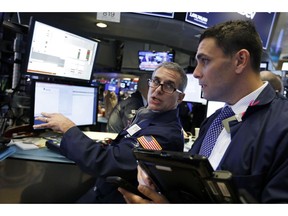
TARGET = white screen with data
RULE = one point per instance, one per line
(78, 103)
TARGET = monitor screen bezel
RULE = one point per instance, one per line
(32, 100)
(39, 75)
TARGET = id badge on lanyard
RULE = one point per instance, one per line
(133, 129)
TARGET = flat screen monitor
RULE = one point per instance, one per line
(112, 87)
(125, 84)
(77, 102)
(284, 66)
(264, 66)
(212, 106)
(193, 92)
(58, 53)
(149, 60)
(133, 86)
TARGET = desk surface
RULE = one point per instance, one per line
(38, 178)
(41, 154)
(43, 176)
(44, 154)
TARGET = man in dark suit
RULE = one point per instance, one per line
(125, 110)
(253, 145)
(156, 126)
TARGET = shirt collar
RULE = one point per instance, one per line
(144, 101)
(243, 103)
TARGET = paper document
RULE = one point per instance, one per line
(29, 143)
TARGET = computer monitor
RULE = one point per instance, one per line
(193, 92)
(77, 102)
(133, 86)
(264, 65)
(53, 52)
(212, 106)
(113, 87)
(125, 84)
(284, 66)
(149, 60)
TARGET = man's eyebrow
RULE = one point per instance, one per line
(170, 82)
(167, 81)
(199, 55)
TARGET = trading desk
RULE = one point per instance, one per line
(41, 154)
(42, 176)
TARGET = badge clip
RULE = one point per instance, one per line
(225, 122)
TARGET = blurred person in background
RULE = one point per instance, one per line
(125, 110)
(274, 80)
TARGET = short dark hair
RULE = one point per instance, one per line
(232, 36)
(177, 68)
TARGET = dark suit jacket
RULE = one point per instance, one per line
(258, 153)
(117, 158)
(123, 112)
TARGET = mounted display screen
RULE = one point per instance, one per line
(57, 53)
(149, 60)
(264, 21)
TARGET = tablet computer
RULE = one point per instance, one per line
(183, 178)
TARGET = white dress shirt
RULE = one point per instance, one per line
(224, 138)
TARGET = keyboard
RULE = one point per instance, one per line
(54, 145)
(53, 141)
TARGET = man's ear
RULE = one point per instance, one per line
(181, 97)
(242, 59)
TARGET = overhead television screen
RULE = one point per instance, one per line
(149, 60)
(264, 21)
(57, 53)
(113, 87)
(160, 14)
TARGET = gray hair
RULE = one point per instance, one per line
(177, 68)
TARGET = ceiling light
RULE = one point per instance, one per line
(101, 25)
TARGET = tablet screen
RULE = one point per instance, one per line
(183, 178)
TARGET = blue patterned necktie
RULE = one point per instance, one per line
(214, 130)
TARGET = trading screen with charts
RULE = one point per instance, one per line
(55, 52)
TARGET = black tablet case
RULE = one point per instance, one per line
(183, 178)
